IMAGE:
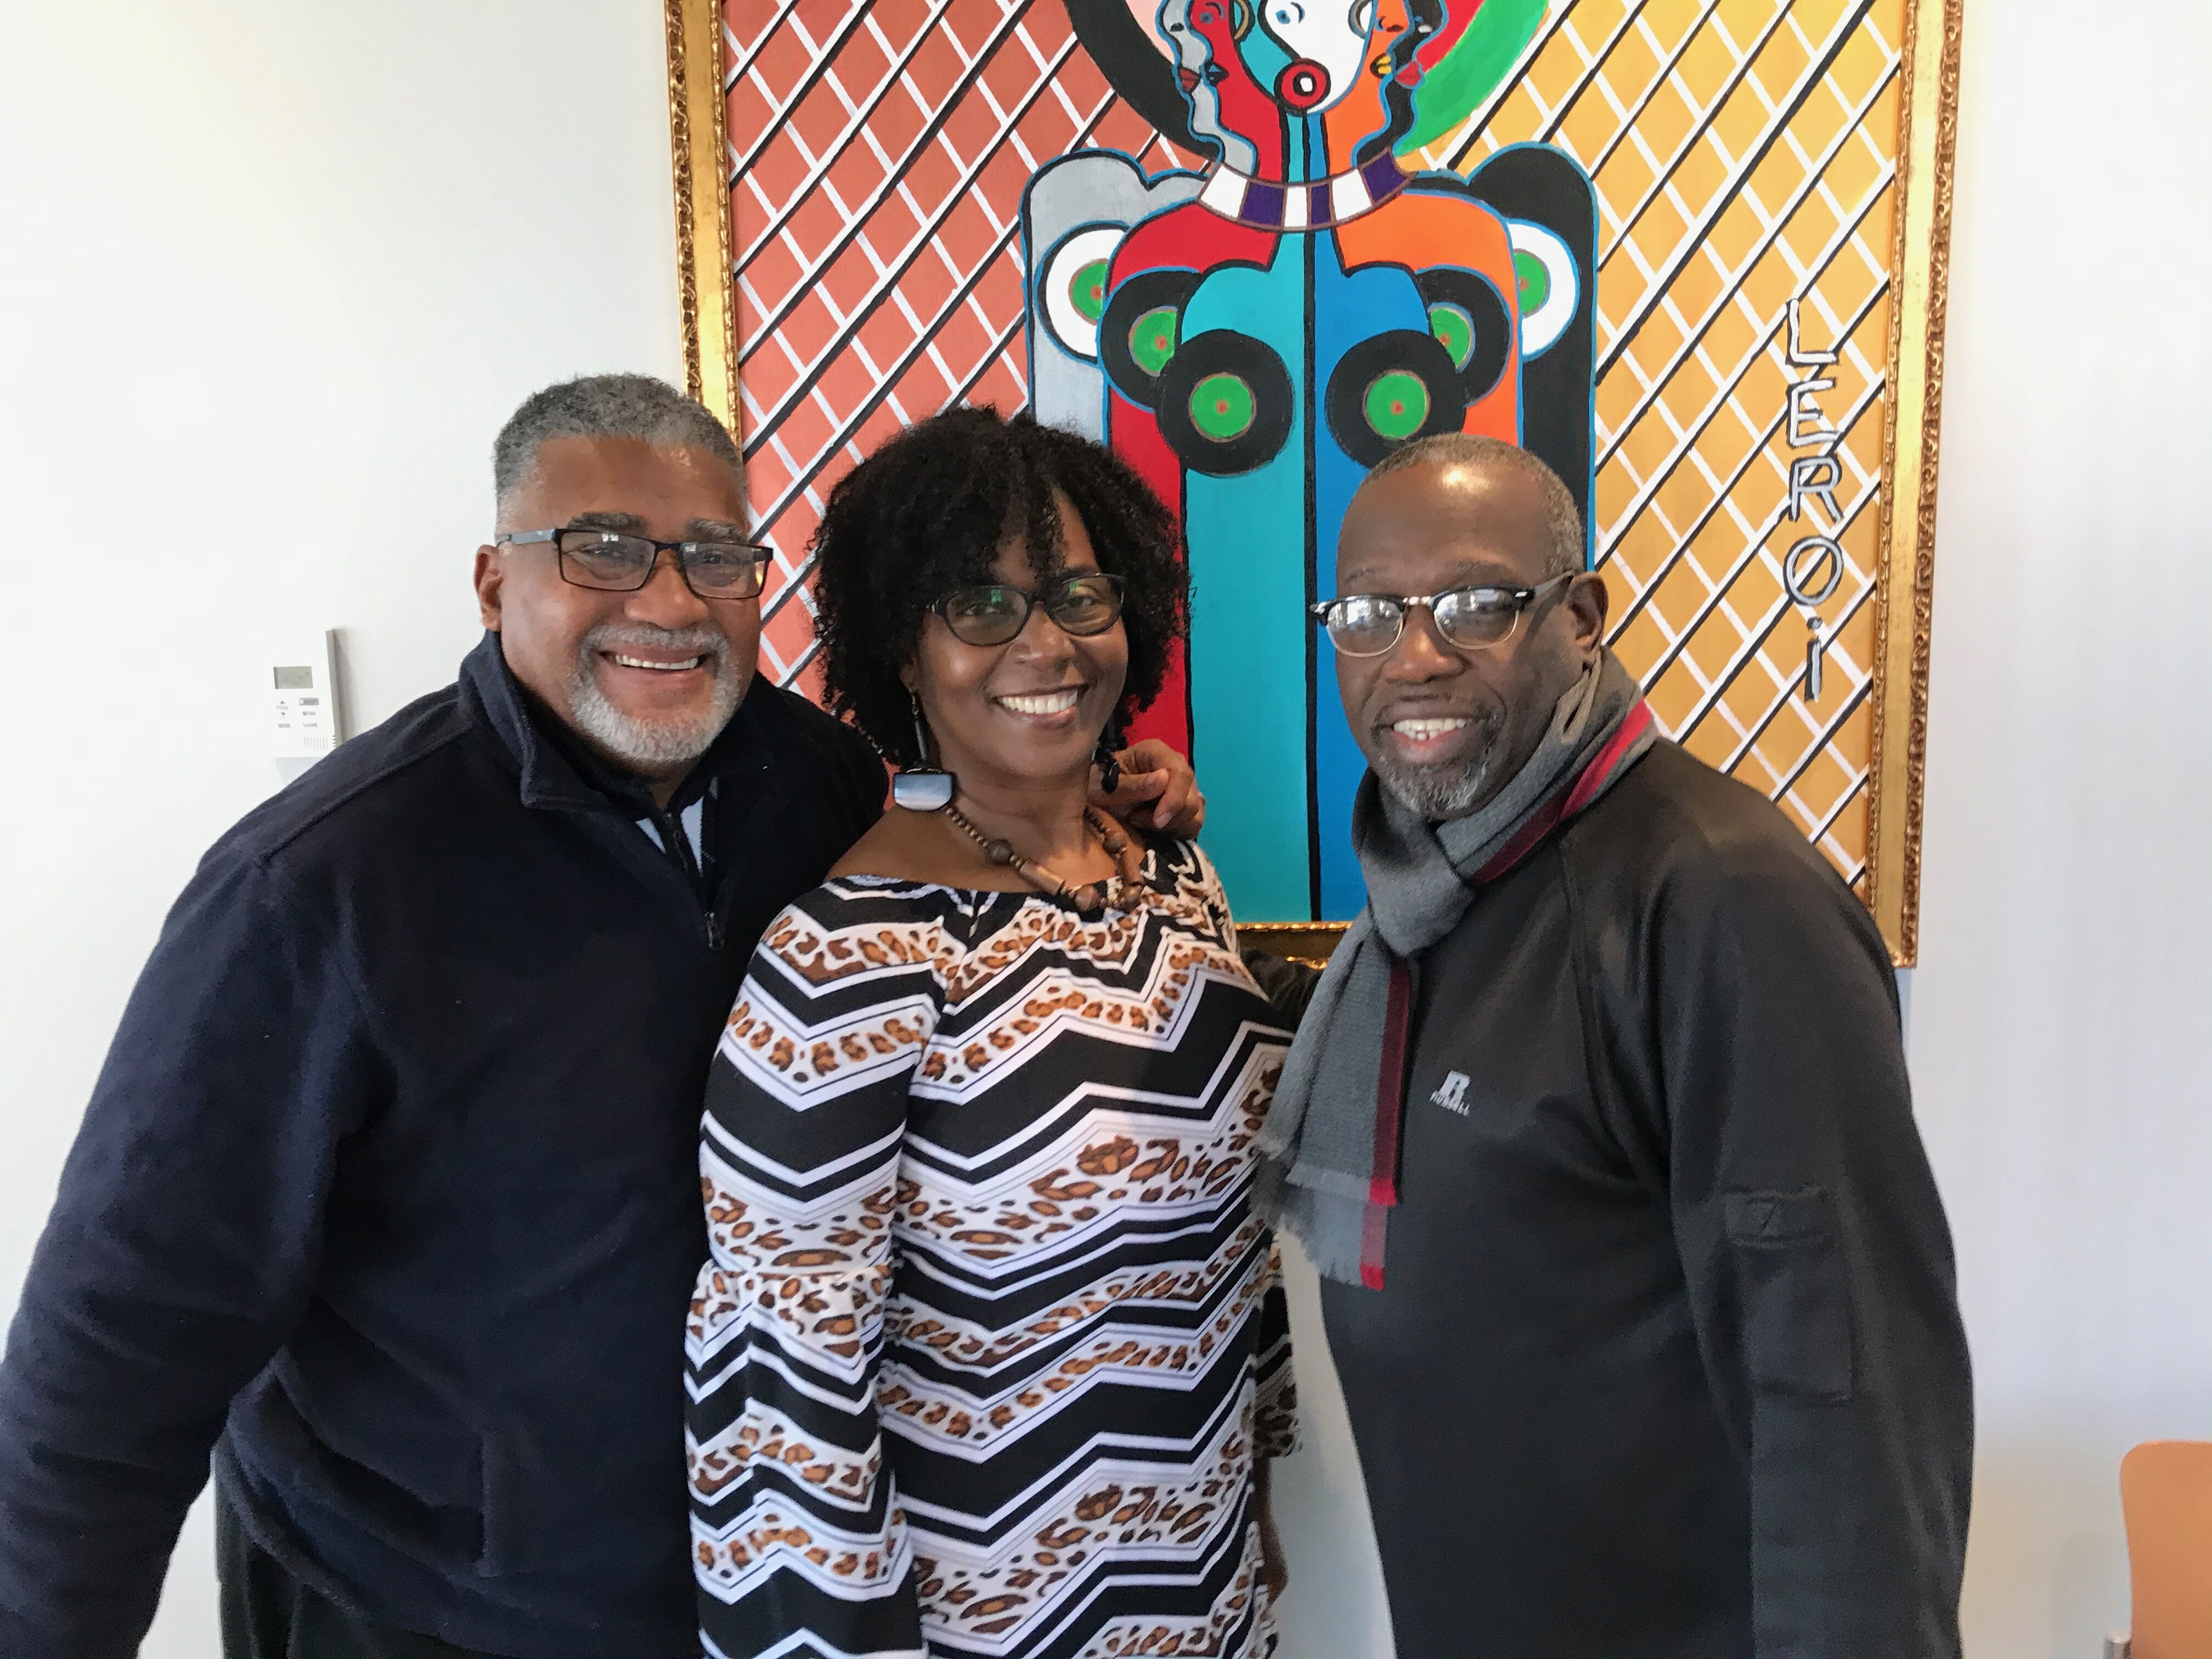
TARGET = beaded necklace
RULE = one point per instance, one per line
(1091, 898)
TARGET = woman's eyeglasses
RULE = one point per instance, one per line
(1080, 606)
(1471, 618)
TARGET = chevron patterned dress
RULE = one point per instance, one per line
(990, 1338)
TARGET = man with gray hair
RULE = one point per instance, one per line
(1598, 1130)
(386, 1201)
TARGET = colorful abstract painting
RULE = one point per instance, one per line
(1253, 245)
(1254, 338)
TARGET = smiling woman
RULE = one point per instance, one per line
(939, 1317)
(997, 597)
(936, 512)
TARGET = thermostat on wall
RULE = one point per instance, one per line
(305, 699)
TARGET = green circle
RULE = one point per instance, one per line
(1455, 330)
(1222, 407)
(1397, 404)
(1152, 339)
(1534, 277)
(1087, 291)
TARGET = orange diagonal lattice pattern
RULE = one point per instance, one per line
(879, 149)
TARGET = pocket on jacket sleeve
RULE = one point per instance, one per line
(1795, 1294)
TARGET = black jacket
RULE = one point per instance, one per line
(1668, 1362)
(391, 1182)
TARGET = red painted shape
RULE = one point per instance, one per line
(1185, 237)
(1188, 237)
(1137, 441)
(1302, 86)
(1430, 51)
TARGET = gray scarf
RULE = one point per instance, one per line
(1330, 1142)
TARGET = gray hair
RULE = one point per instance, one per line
(606, 406)
(1566, 550)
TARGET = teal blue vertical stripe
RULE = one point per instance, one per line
(1348, 307)
(1248, 664)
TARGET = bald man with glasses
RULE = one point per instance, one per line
(1598, 1128)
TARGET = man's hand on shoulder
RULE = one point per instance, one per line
(1158, 791)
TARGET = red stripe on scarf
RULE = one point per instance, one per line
(1565, 804)
(1390, 1118)
(1390, 1085)
(1372, 1226)
(1600, 771)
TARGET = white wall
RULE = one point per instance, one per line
(2062, 1017)
(271, 274)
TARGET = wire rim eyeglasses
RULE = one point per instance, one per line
(1479, 618)
(616, 562)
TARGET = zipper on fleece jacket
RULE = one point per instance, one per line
(675, 844)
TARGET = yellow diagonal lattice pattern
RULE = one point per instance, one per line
(1745, 155)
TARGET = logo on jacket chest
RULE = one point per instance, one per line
(1451, 1093)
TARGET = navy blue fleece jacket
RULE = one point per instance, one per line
(387, 1197)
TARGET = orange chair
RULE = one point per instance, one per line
(2165, 1495)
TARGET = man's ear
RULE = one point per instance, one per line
(1587, 604)
(488, 575)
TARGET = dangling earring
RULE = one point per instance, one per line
(1109, 763)
(922, 787)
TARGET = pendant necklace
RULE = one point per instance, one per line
(1090, 898)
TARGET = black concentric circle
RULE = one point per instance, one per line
(1390, 389)
(1476, 297)
(1225, 403)
(1140, 299)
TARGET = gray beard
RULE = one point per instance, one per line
(652, 745)
(1440, 793)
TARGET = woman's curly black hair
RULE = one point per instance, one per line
(928, 513)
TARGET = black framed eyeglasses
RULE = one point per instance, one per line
(616, 561)
(1080, 606)
(1479, 618)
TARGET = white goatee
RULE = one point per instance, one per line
(651, 744)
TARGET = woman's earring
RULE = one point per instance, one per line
(922, 787)
(1109, 763)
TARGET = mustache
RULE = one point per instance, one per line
(698, 640)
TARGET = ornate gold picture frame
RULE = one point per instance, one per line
(859, 243)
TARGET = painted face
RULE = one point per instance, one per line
(1212, 24)
(1199, 78)
(1384, 21)
(1325, 43)
(1366, 110)
(1248, 109)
